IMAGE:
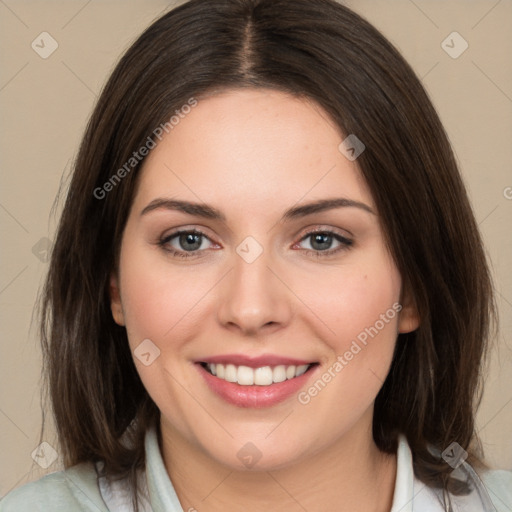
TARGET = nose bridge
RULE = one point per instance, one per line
(253, 297)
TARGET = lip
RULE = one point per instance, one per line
(257, 397)
(254, 362)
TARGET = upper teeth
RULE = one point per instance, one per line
(264, 376)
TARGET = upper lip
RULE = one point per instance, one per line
(254, 362)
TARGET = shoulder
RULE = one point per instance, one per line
(70, 490)
(498, 483)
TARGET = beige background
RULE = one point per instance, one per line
(45, 104)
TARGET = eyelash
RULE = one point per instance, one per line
(345, 243)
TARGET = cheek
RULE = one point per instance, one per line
(158, 301)
(360, 305)
(355, 301)
(369, 306)
(361, 310)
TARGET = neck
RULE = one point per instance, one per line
(349, 476)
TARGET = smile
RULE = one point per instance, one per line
(256, 382)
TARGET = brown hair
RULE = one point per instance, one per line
(319, 50)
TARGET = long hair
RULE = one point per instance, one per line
(322, 51)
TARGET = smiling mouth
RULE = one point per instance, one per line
(262, 376)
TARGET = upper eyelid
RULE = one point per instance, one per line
(170, 233)
(319, 228)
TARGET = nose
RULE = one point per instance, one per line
(255, 299)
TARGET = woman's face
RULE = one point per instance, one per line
(258, 295)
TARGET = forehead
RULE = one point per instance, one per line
(250, 146)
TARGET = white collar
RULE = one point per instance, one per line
(410, 494)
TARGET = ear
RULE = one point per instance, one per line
(115, 300)
(409, 319)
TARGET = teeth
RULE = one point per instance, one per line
(263, 376)
(230, 373)
(290, 372)
(245, 376)
(301, 369)
(279, 373)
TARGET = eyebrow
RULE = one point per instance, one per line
(209, 212)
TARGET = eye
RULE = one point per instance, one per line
(188, 241)
(321, 242)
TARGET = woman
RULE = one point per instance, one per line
(268, 290)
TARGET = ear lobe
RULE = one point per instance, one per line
(115, 300)
(409, 319)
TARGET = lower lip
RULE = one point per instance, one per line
(255, 396)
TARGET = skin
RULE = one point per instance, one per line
(253, 154)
